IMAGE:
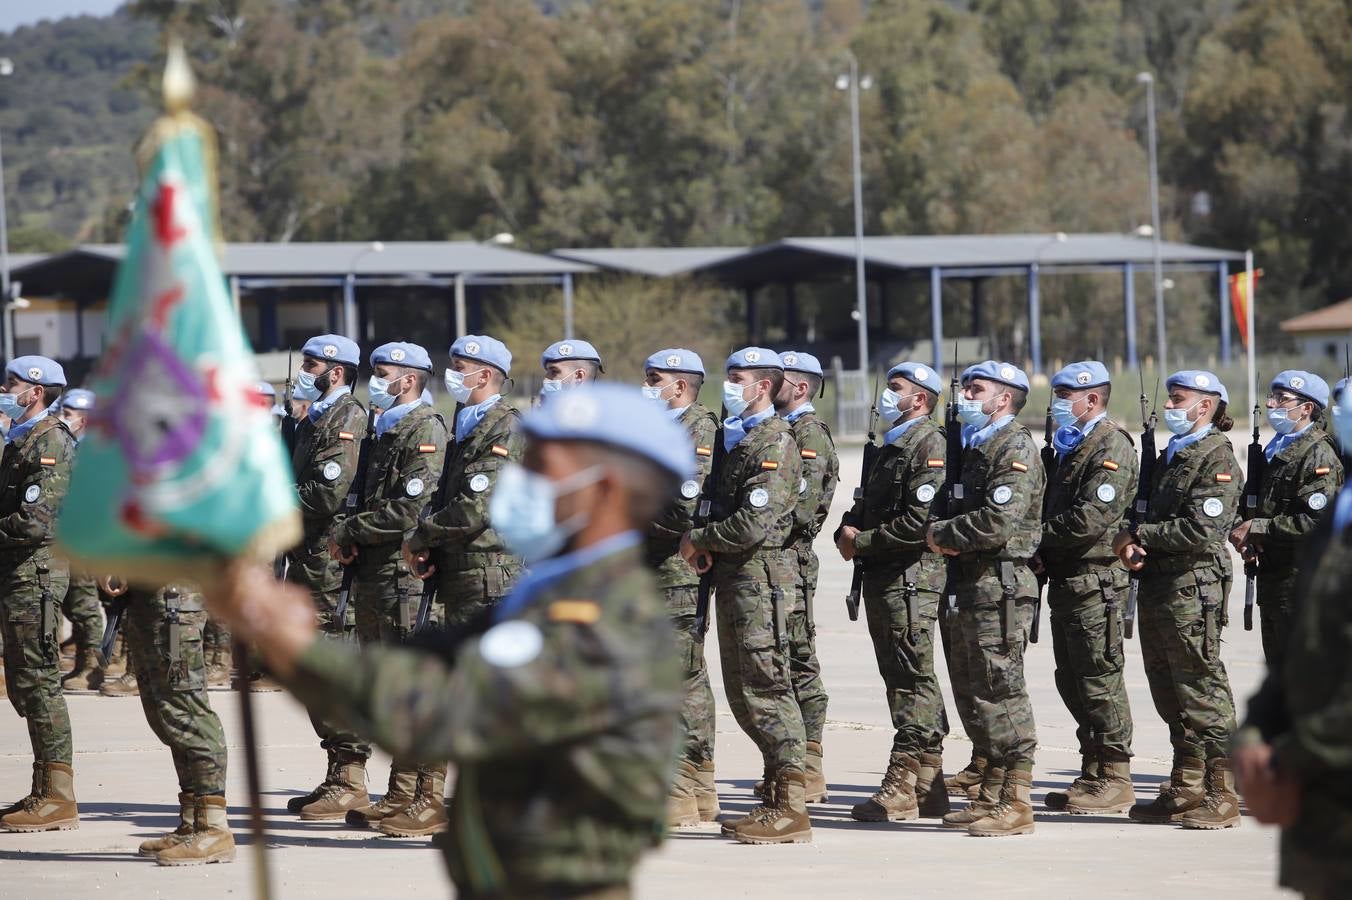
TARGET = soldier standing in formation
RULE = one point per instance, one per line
(902, 582)
(569, 364)
(81, 604)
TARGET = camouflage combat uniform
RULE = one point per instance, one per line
(562, 758)
(81, 606)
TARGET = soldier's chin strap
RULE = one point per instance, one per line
(262, 872)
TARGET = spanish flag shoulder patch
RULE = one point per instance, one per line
(934, 463)
(1321, 470)
(427, 448)
(47, 460)
(704, 451)
(346, 436)
(582, 612)
(809, 454)
(498, 450)
(1019, 467)
(1110, 465)
(769, 464)
(1224, 477)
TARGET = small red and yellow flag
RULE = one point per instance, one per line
(1240, 299)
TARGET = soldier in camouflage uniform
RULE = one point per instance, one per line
(992, 532)
(568, 364)
(559, 707)
(755, 572)
(328, 441)
(1303, 473)
(673, 378)
(1185, 579)
(401, 475)
(820, 470)
(902, 580)
(34, 477)
(1088, 491)
(81, 603)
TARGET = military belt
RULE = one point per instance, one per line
(970, 566)
(1085, 565)
(1176, 564)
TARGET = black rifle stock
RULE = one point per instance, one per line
(350, 505)
(1253, 487)
(1048, 454)
(871, 451)
(429, 591)
(1137, 510)
(704, 514)
(952, 493)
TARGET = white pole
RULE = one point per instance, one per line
(860, 286)
(1253, 337)
(461, 320)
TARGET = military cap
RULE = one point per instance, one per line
(37, 370)
(797, 361)
(617, 416)
(1306, 384)
(918, 374)
(1198, 380)
(1080, 375)
(1338, 388)
(675, 360)
(994, 370)
(755, 358)
(485, 349)
(401, 353)
(333, 348)
(265, 389)
(77, 398)
(570, 349)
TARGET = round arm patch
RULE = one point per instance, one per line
(1317, 501)
(1106, 493)
(479, 483)
(414, 487)
(759, 498)
(511, 644)
(1213, 507)
(1002, 494)
(331, 471)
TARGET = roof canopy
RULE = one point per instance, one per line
(1334, 317)
(658, 262)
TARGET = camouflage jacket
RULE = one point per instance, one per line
(892, 510)
(1000, 514)
(401, 476)
(461, 524)
(562, 723)
(325, 463)
(1193, 501)
(34, 478)
(664, 535)
(1300, 480)
(1088, 492)
(819, 470)
(756, 494)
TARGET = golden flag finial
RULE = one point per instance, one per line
(178, 80)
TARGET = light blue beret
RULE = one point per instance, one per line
(755, 358)
(485, 349)
(798, 361)
(265, 389)
(918, 374)
(1338, 388)
(400, 353)
(1080, 375)
(617, 416)
(994, 370)
(78, 398)
(1198, 380)
(37, 370)
(675, 360)
(1306, 384)
(569, 349)
(333, 348)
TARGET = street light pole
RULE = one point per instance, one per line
(1161, 341)
(350, 292)
(6, 69)
(860, 286)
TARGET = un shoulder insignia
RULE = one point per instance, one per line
(759, 498)
(479, 483)
(32, 494)
(331, 471)
(1003, 494)
(925, 493)
(511, 644)
(690, 489)
(1318, 500)
(414, 487)
(1106, 492)
(1213, 507)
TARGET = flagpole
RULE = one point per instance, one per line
(1253, 337)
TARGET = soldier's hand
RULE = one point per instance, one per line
(1121, 540)
(935, 546)
(418, 562)
(1133, 557)
(687, 549)
(344, 555)
(845, 543)
(1239, 536)
(1271, 795)
(112, 585)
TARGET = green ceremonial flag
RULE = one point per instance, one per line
(181, 468)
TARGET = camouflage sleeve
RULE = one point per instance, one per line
(762, 500)
(464, 516)
(679, 516)
(1209, 511)
(419, 473)
(47, 461)
(1320, 479)
(1105, 491)
(325, 479)
(1316, 741)
(1010, 491)
(818, 472)
(916, 492)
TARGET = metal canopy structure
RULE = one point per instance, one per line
(655, 262)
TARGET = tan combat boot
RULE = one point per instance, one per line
(34, 791)
(767, 803)
(117, 661)
(1013, 814)
(1089, 771)
(992, 783)
(706, 795)
(1110, 792)
(787, 821)
(1220, 807)
(682, 803)
(398, 794)
(122, 686)
(967, 782)
(759, 788)
(1185, 792)
(895, 800)
(930, 793)
(210, 841)
(52, 808)
(816, 776)
(342, 793)
(426, 815)
(296, 804)
(86, 675)
(187, 805)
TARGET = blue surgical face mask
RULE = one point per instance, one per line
(551, 385)
(973, 412)
(305, 387)
(522, 510)
(1280, 420)
(1176, 420)
(378, 389)
(10, 407)
(455, 384)
(734, 399)
(1063, 412)
(655, 393)
(888, 406)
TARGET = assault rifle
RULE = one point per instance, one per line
(429, 592)
(350, 505)
(947, 501)
(1136, 512)
(871, 451)
(1048, 454)
(116, 610)
(1253, 487)
(704, 514)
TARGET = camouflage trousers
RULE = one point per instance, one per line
(697, 706)
(1274, 611)
(466, 593)
(755, 655)
(904, 647)
(1087, 646)
(81, 606)
(170, 667)
(804, 668)
(958, 681)
(31, 625)
(1180, 620)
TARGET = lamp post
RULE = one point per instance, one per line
(350, 291)
(853, 83)
(1161, 341)
(1035, 300)
(6, 69)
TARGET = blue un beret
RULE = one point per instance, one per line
(994, 370)
(1338, 388)
(755, 358)
(37, 370)
(798, 361)
(400, 353)
(918, 374)
(485, 349)
(675, 360)
(1080, 375)
(570, 349)
(265, 389)
(617, 416)
(1306, 384)
(333, 348)
(1199, 380)
(78, 398)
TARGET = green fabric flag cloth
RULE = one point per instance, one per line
(181, 469)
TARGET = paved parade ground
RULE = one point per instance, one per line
(127, 792)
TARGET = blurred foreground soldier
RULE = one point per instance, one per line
(672, 379)
(328, 439)
(559, 707)
(81, 602)
(569, 364)
(1088, 491)
(34, 476)
(992, 533)
(1291, 756)
(902, 583)
(400, 478)
(164, 647)
(819, 469)
(1185, 579)
(1303, 474)
(755, 576)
